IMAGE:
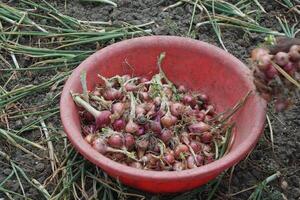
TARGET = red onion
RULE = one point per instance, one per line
(131, 127)
(180, 149)
(182, 89)
(102, 118)
(89, 129)
(111, 94)
(151, 112)
(141, 131)
(206, 137)
(157, 101)
(281, 58)
(144, 96)
(169, 159)
(189, 100)
(115, 141)
(139, 110)
(176, 109)
(119, 124)
(184, 138)
(289, 68)
(129, 141)
(209, 159)
(196, 146)
(168, 120)
(258, 52)
(130, 87)
(97, 93)
(142, 146)
(166, 135)
(99, 145)
(178, 166)
(144, 80)
(191, 162)
(90, 138)
(88, 116)
(210, 109)
(203, 97)
(264, 62)
(118, 108)
(199, 127)
(168, 92)
(126, 77)
(200, 160)
(200, 115)
(294, 53)
(271, 72)
(154, 126)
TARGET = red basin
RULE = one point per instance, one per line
(198, 66)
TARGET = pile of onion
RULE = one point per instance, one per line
(269, 81)
(151, 124)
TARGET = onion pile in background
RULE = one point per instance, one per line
(269, 81)
(153, 124)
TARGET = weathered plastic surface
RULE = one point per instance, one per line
(195, 64)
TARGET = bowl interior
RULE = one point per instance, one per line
(197, 65)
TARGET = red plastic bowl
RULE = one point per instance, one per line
(198, 66)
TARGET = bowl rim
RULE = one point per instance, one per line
(209, 169)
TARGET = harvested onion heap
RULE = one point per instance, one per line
(153, 124)
(269, 81)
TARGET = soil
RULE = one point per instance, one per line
(261, 163)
